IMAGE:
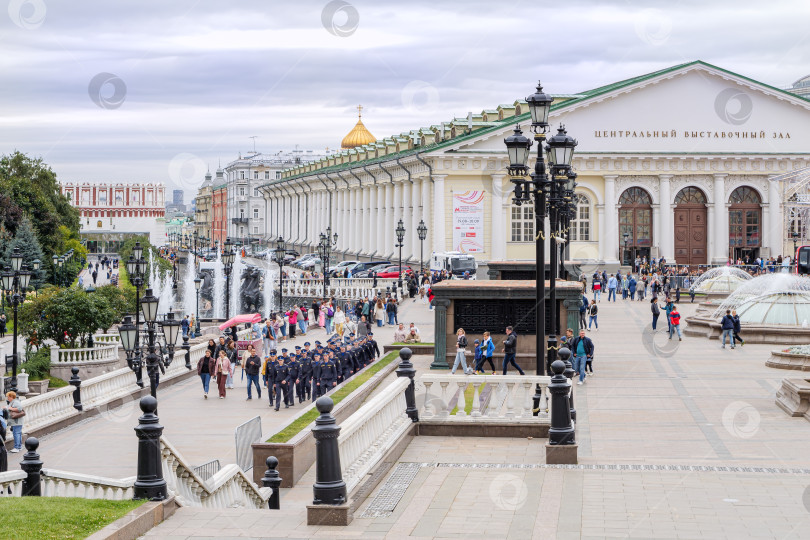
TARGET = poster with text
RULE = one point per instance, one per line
(468, 222)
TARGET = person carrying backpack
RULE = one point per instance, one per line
(675, 324)
(592, 312)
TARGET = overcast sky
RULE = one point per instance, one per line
(156, 91)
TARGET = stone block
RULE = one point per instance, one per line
(330, 515)
(561, 454)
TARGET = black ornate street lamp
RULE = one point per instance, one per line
(326, 243)
(136, 268)
(15, 280)
(422, 231)
(547, 193)
(228, 257)
(278, 258)
(197, 285)
(400, 230)
(35, 264)
(627, 256)
(795, 236)
(152, 352)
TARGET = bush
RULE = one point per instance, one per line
(38, 365)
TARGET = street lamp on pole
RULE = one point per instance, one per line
(136, 268)
(422, 230)
(400, 230)
(559, 153)
(795, 236)
(627, 256)
(326, 243)
(15, 280)
(197, 285)
(228, 257)
(278, 258)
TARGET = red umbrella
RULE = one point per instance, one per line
(240, 319)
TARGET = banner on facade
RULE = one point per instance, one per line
(468, 222)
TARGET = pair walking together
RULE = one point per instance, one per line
(484, 352)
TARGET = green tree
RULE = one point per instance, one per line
(67, 316)
(117, 301)
(31, 185)
(26, 241)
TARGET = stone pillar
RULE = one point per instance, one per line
(416, 192)
(603, 235)
(439, 224)
(380, 228)
(372, 219)
(406, 220)
(427, 215)
(357, 232)
(440, 334)
(497, 237)
(397, 211)
(390, 222)
(720, 225)
(666, 217)
(710, 237)
(776, 229)
(366, 238)
(611, 221)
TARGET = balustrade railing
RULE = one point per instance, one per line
(11, 483)
(68, 484)
(103, 353)
(227, 488)
(495, 398)
(107, 339)
(349, 288)
(367, 434)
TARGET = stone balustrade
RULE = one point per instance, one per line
(67, 484)
(368, 434)
(348, 288)
(11, 483)
(94, 355)
(107, 339)
(506, 398)
(228, 488)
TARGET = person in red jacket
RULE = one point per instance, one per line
(675, 322)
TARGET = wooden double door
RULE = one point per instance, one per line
(690, 234)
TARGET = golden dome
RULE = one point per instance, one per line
(359, 135)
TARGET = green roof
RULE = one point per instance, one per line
(499, 124)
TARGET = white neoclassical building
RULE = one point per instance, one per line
(690, 162)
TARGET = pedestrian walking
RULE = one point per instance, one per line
(340, 321)
(461, 353)
(582, 351)
(15, 419)
(3, 453)
(597, 289)
(656, 311)
(727, 326)
(736, 319)
(204, 370)
(184, 325)
(509, 350)
(487, 350)
(222, 370)
(293, 320)
(593, 312)
(379, 312)
(583, 310)
(3, 324)
(233, 358)
(252, 367)
(668, 309)
(675, 324)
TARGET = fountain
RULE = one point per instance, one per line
(719, 282)
(161, 286)
(773, 308)
(218, 299)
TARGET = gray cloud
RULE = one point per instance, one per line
(203, 76)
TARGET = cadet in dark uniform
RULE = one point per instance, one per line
(295, 368)
(373, 347)
(281, 374)
(328, 374)
(316, 376)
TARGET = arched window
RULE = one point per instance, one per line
(635, 224)
(581, 225)
(744, 220)
(744, 195)
(690, 195)
(635, 196)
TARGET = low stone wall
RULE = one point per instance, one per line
(88, 371)
(794, 397)
(786, 360)
(416, 348)
(762, 333)
(138, 522)
(298, 455)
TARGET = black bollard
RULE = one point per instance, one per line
(186, 347)
(77, 391)
(149, 483)
(329, 486)
(565, 355)
(272, 480)
(32, 465)
(406, 369)
(561, 430)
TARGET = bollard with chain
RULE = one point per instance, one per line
(186, 347)
(406, 369)
(564, 354)
(76, 382)
(272, 480)
(329, 486)
(150, 483)
(31, 465)
(561, 431)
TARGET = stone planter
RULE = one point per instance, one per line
(786, 360)
(38, 387)
(794, 397)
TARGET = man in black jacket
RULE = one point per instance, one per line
(582, 353)
(509, 350)
(736, 319)
(253, 366)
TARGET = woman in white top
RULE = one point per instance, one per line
(339, 320)
(461, 352)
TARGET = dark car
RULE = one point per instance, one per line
(367, 266)
(393, 271)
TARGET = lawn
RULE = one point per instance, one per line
(354, 383)
(59, 517)
(468, 399)
(56, 382)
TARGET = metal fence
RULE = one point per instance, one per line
(207, 470)
(247, 434)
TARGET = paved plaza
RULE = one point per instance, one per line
(677, 440)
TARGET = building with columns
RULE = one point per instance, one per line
(691, 163)
(110, 213)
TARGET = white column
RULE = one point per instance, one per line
(439, 225)
(720, 224)
(657, 229)
(358, 223)
(710, 237)
(366, 238)
(497, 238)
(345, 222)
(414, 233)
(667, 231)
(611, 221)
(427, 215)
(372, 219)
(389, 219)
(406, 220)
(379, 210)
(776, 241)
(603, 236)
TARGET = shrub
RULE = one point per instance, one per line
(38, 365)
